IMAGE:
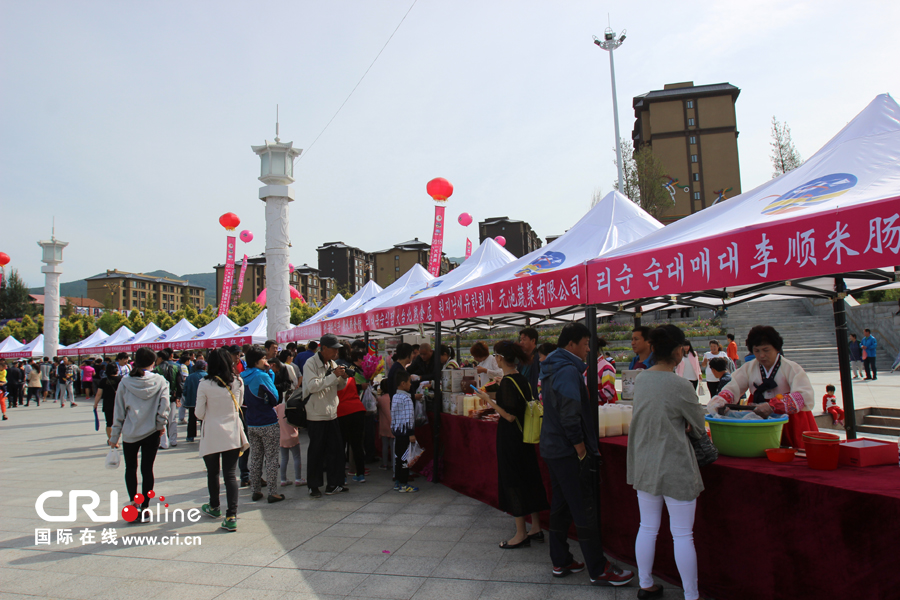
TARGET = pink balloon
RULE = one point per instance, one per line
(500, 240)
(261, 299)
(465, 219)
(246, 236)
(290, 268)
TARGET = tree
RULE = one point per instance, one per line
(301, 311)
(644, 179)
(136, 321)
(14, 298)
(630, 187)
(206, 317)
(597, 197)
(242, 312)
(785, 157)
(111, 321)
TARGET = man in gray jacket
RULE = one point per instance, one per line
(569, 447)
(322, 378)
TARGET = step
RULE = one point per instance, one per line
(881, 421)
(891, 431)
(885, 412)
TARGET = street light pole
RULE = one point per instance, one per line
(609, 43)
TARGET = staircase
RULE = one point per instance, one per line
(881, 421)
(808, 339)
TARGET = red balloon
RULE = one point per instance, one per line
(500, 240)
(229, 221)
(465, 219)
(439, 188)
(4, 259)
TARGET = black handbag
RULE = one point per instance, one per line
(704, 449)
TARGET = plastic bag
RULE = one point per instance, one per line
(368, 400)
(112, 458)
(701, 389)
(412, 454)
(421, 414)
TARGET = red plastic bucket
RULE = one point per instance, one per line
(821, 450)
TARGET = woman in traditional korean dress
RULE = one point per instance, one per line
(777, 385)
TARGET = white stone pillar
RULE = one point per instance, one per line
(278, 296)
(51, 309)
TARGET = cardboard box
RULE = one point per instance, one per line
(864, 452)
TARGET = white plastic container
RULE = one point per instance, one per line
(601, 430)
(613, 421)
(627, 412)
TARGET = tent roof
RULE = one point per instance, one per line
(177, 330)
(98, 336)
(33, 348)
(253, 332)
(835, 214)
(136, 341)
(328, 311)
(120, 336)
(200, 337)
(9, 344)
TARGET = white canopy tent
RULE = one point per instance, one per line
(33, 349)
(253, 332)
(10, 345)
(77, 348)
(163, 339)
(137, 340)
(120, 336)
(199, 338)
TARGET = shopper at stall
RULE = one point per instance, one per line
(222, 438)
(640, 343)
(403, 426)
(260, 399)
(689, 367)
(189, 397)
(778, 386)
(421, 365)
(322, 380)
(569, 448)
(519, 484)
(715, 351)
(531, 367)
(140, 417)
(660, 462)
(384, 426)
(606, 377)
(351, 416)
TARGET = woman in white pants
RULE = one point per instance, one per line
(661, 462)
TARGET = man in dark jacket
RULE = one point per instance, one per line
(569, 447)
(15, 382)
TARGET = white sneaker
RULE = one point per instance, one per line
(284, 483)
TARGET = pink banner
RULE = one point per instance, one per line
(468, 248)
(830, 243)
(241, 280)
(437, 242)
(228, 278)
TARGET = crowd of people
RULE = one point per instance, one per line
(236, 398)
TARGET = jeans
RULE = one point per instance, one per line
(325, 453)
(181, 410)
(147, 447)
(294, 452)
(192, 423)
(229, 462)
(869, 363)
(172, 428)
(353, 430)
(575, 498)
(401, 467)
(681, 524)
(387, 451)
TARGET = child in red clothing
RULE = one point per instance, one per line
(830, 405)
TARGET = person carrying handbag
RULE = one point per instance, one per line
(520, 487)
(222, 437)
(661, 462)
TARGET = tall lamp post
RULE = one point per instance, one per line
(610, 42)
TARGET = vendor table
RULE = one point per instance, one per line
(762, 531)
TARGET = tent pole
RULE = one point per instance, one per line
(637, 317)
(438, 403)
(590, 321)
(458, 356)
(843, 346)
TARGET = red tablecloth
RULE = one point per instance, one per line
(763, 530)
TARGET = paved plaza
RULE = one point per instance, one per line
(370, 543)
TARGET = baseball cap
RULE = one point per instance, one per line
(330, 341)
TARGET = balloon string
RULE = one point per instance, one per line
(306, 153)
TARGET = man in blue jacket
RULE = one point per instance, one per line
(189, 397)
(569, 447)
(870, 345)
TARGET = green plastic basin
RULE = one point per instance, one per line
(746, 439)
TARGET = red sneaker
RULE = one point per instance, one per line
(575, 567)
(613, 575)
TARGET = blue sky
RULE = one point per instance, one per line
(131, 122)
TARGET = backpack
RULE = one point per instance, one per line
(283, 383)
(534, 416)
(169, 374)
(295, 409)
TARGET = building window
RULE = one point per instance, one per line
(690, 104)
(696, 195)
(693, 139)
(691, 122)
(696, 176)
(693, 158)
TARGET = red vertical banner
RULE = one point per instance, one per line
(437, 242)
(241, 280)
(228, 278)
(468, 247)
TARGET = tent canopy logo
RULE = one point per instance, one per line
(331, 313)
(811, 193)
(431, 285)
(542, 264)
(198, 335)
